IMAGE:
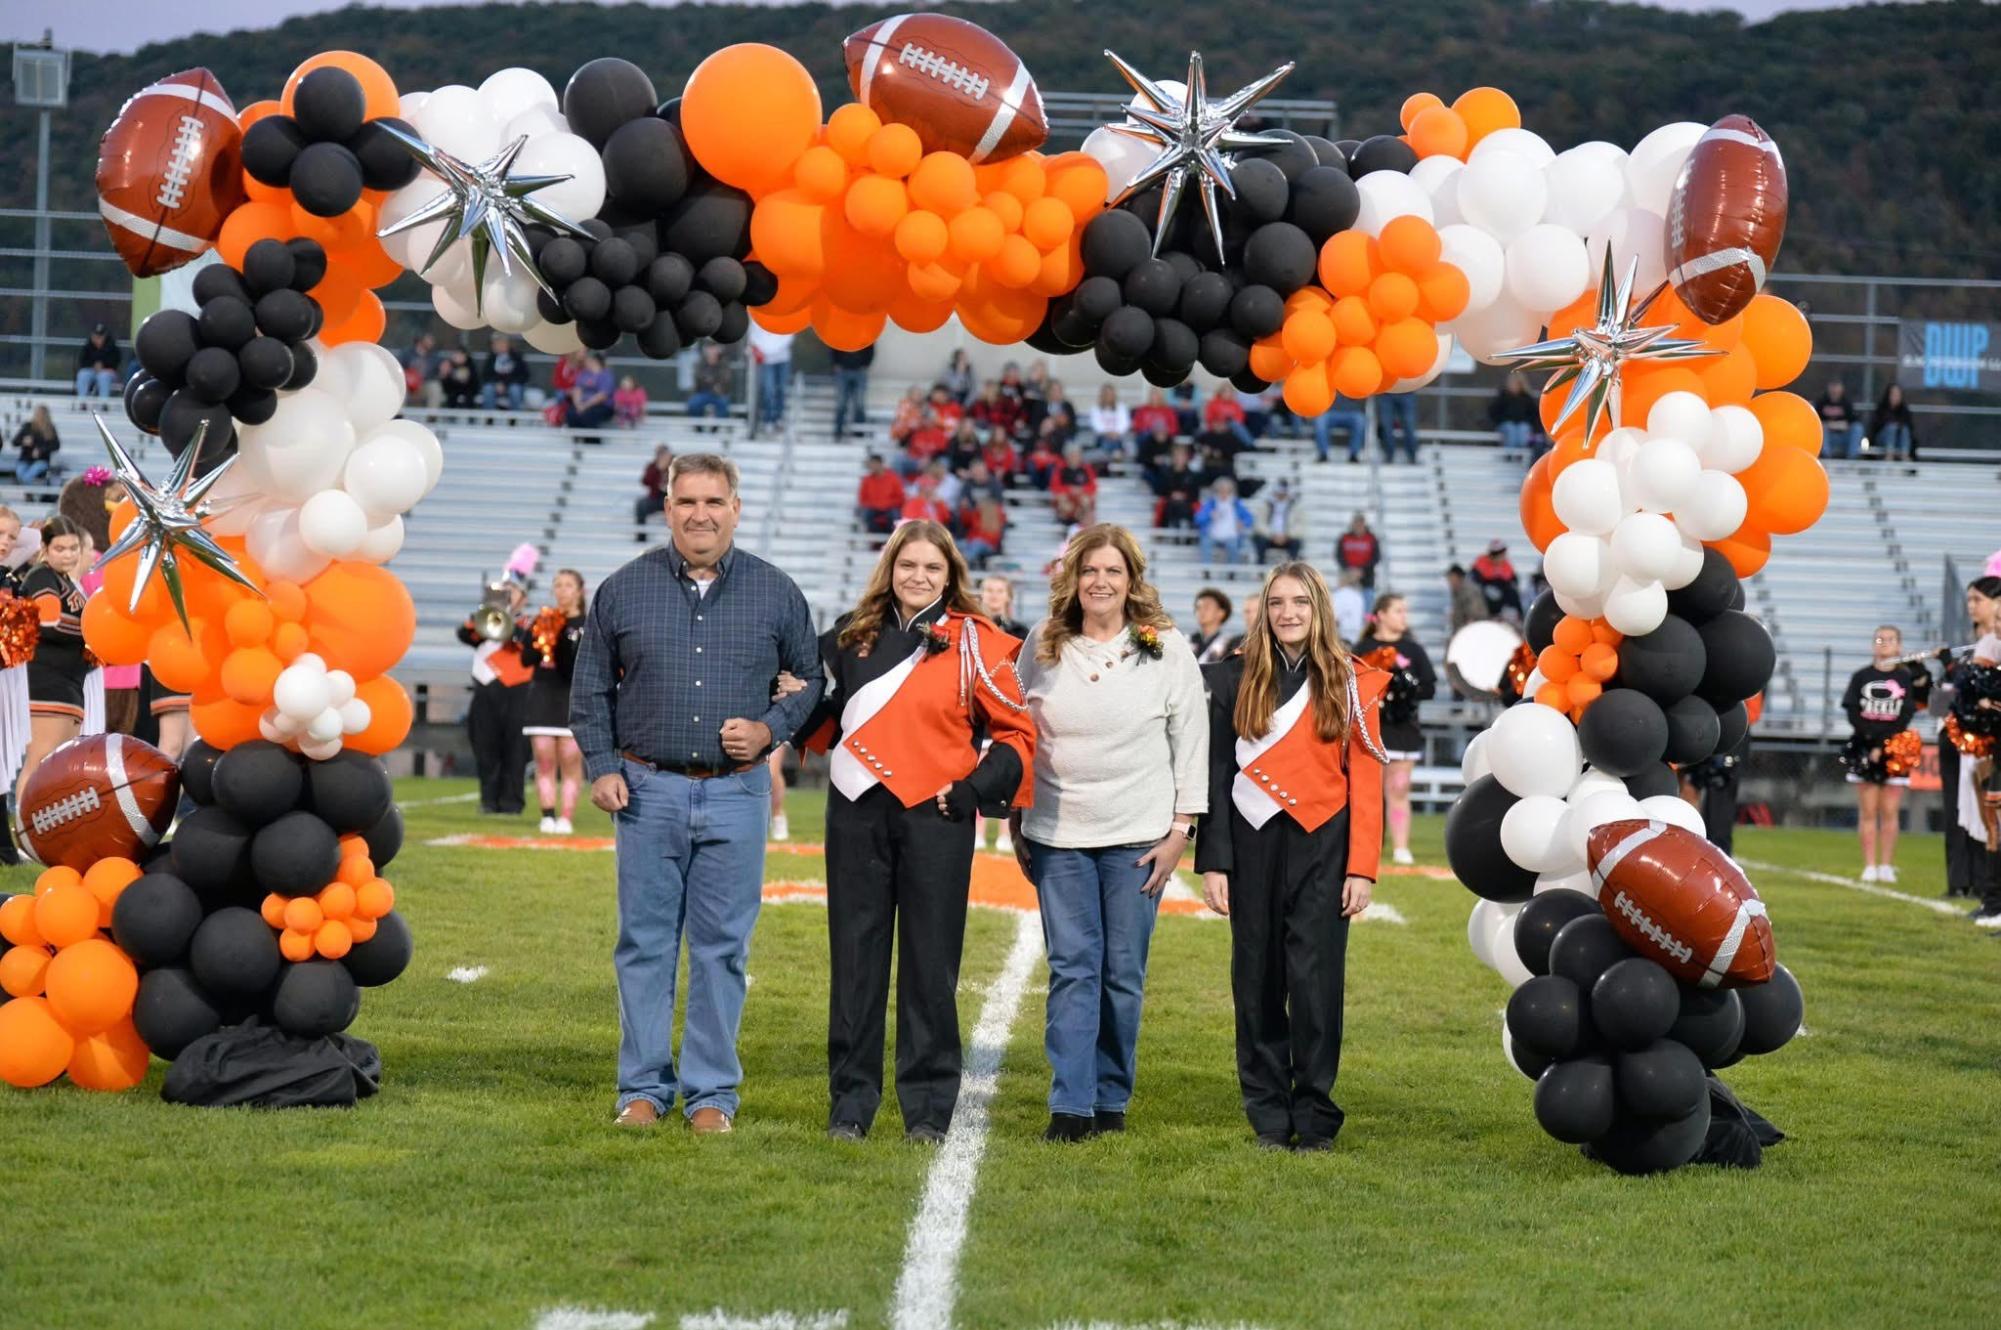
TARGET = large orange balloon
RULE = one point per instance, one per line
(1729, 379)
(223, 722)
(1485, 110)
(389, 713)
(91, 986)
(363, 324)
(1079, 180)
(266, 219)
(1747, 549)
(378, 90)
(1643, 387)
(1790, 422)
(785, 232)
(360, 617)
(65, 914)
(845, 331)
(1307, 391)
(1538, 509)
(113, 1060)
(791, 321)
(748, 111)
(1778, 338)
(919, 316)
(1787, 490)
(115, 639)
(34, 1047)
(176, 656)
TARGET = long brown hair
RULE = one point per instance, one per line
(1327, 664)
(583, 590)
(878, 601)
(1066, 613)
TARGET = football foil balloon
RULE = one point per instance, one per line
(1680, 901)
(1726, 218)
(955, 83)
(169, 171)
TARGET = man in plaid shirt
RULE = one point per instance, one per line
(672, 705)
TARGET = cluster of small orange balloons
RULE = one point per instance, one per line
(1434, 129)
(1580, 660)
(69, 987)
(342, 913)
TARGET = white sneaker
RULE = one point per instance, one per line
(780, 828)
(1869, 873)
(1003, 843)
(1402, 858)
(548, 827)
(1887, 873)
(563, 827)
(1987, 920)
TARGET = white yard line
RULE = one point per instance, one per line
(466, 799)
(1867, 888)
(591, 1318)
(929, 1283)
(722, 1320)
(467, 974)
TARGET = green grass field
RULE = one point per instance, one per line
(486, 1186)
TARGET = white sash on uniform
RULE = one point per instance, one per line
(852, 773)
(1254, 798)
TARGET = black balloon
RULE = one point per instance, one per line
(305, 367)
(646, 165)
(1114, 243)
(252, 406)
(1226, 355)
(227, 323)
(219, 279)
(1662, 1080)
(644, 237)
(258, 782)
(1384, 152)
(1733, 723)
(1174, 348)
(171, 1010)
(326, 179)
(1585, 948)
(265, 362)
(661, 339)
(1205, 301)
(1709, 594)
(1327, 152)
(268, 266)
(286, 315)
(1539, 624)
(154, 919)
(1257, 311)
(1294, 158)
(588, 300)
(1575, 1101)
(1473, 844)
(1665, 664)
(270, 147)
(1127, 333)
(563, 261)
(166, 342)
(385, 838)
(349, 791)
(1773, 1012)
(1547, 1015)
(329, 104)
(735, 323)
(310, 258)
(211, 851)
(145, 399)
(1741, 658)
(295, 855)
(1281, 256)
(603, 95)
(185, 413)
(1096, 298)
(1152, 285)
(1644, 1145)
(598, 335)
(1693, 731)
(315, 998)
(198, 761)
(1324, 201)
(760, 284)
(385, 163)
(669, 278)
(1542, 919)
(213, 374)
(1528, 1062)
(234, 953)
(698, 315)
(1262, 191)
(632, 309)
(722, 277)
(1711, 1023)
(384, 956)
(1657, 779)
(613, 261)
(711, 221)
(1634, 1003)
(1623, 733)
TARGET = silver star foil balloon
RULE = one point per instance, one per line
(1592, 359)
(1194, 136)
(169, 520)
(485, 203)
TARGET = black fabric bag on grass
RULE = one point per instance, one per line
(261, 1066)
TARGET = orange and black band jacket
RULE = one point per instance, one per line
(911, 729)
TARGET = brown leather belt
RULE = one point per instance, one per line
(689, 771)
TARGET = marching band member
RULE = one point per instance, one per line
(1291, 850)
(1880, 700)
(497, 712)
(912, 672)
(1974, 728)
(549, 647)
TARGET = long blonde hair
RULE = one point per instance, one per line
(1327, 664)
(878, 600)
(1066, 613)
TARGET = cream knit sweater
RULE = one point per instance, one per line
(1122, 741)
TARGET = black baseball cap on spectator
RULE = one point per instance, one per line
(98, 329)
(873, 457)
(1455, 569)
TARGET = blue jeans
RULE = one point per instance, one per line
(34, 470)
(1233, 548)
(1514, 434)
(489, 394)
(96, 383)
(1097, 925)
(708, 404)
(1840, 440)
(1393, 409)
(690, 860)
(1895, 439)
(851, 386)
(771, 392)
(1354, 422)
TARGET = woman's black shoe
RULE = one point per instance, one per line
(1067, 1127)
(1314, 1144)
(846, 1131)
(1104, 1122)
(1274, 1140)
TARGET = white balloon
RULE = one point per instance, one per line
(1502, 326)
(340, 688)
(275, 543)
(1716, 509)
(332, 523)
(1577, 564)
(375, 382)
(1681, 415)
(324, 727)
(420, 438)
(301, 449)
(1533, 684)
(267, 729)
(1619, 448)
(1656, 161)
(1585, 185)
(1579, 880)
(1586, 497)
(1687, 562)
(410, 105)
(1665, 474)
(1645, 546)
(1547, 268)
(582, 194)
(410, 248)
(237, 498)
(1533, 750)
(1480, 930)
(1387, 195)
(1473, 762)
(1596, 811)
(554, 339)
(382, 542)
(1502, 193)
(1632, 233)
(355, 716)
(1528, 833)
(455, 307)
(1438, 364)
(1675, 811)
(1476, 254)
(509, 300)
(1736, 439)
(1507, 960)
(334, 377)
(1636, 608)
(317, 751)
(386, 476)
(300, 693)
(310, 660)
(1526, 144)
(1445, 194)
(455, 119)
(1592, 782)
(534, 121)
(1508, 1050)
(1582, 607)
(507, 92)
(1431, 174)
(1122, 156)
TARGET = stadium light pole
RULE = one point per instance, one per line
(41, 80)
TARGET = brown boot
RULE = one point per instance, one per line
(638, 1113)
(709, 1122)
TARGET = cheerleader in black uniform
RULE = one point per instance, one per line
(1291, 847)
(549, 645)
(1388, 646)
(1983, 611)
(56, 674)
(1880, 700)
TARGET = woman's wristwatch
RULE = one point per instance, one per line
(1186, 828)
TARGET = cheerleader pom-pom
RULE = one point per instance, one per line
(524, 560)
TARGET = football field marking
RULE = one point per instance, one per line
(591, 1318)
(929, 1282)
(1867, 888)
(467, 974)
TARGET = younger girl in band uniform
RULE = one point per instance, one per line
(1388, 646)
(1291, 848)
(56, 674)
(1880, 700)
(549, 646)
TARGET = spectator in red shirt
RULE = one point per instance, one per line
(654, 501)
(1156, 416)
(1359, 549)
(879, 502)
(1001, 457)
(1043, 459)
(925, 442)
(948, 411)
(561, 379)
(628, 403)
(1074, 487)
(991, 410)
(925, 504)
(982, 530)
(909, 414)
(1495, 575)
(1224, 412)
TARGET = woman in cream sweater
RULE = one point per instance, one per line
(1121, 773)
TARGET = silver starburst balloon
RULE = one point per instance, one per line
(1194, 136)
(1592, 359)
(484, 202)
(169, 521)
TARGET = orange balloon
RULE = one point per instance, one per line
(1347, 263)
(1047, 223)
(369, 262)
(1644, 387)
(1602, 631)
(287, 601)
(354, 870)
(113, 1060)
(932, 281)
(1392, 296)
(1442, 293)
(1410, 245)
(821, 174)
(1538, 510)
(361, 930)
(273, 909)
(1307, 391)
(106, 880)
(863, 272)
(91, 985)
(34, 1046)
(1354, 325)
(378, 90)
(1354, 371)
(1581, 690)
(976, 235)
(785, 231)
(989, 316)
(1406, 348)
(1572, 635)
(1485, 110)
(1017, 264)
(843, 330)
(360, 617)
(1787, 490)
(374, 898)
(1599, 661)
(17, 921)
(1269, 360)
(249, 674)
(24, 971)
(1416, 105)
(1728, 379)
(364, 323)
(269, 219)
(918, 316)
(289, 641)
(115, 639)
(1025, 177)
(295, 946)
(176, 658)
(302, 914)
(389, 713)
(324, 230)
(849, 130)
(1789, 421)
(876, 203)
(895, 150)
(1556, 664)
(337, 898)
(747, 113)
(922, 237)
(1747, 549)
(333, 940)
(1439, 132)
(1779, 340)
(1079, 180)
(1062, 269)
(1554, 696)
(1308, 337)
(944, 183)
(249, 623)
(353, 847)
(224, 723)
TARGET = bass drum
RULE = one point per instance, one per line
(1476, 659)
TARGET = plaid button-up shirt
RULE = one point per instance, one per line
(663, 664)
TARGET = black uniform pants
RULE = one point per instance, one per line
(894, 874)
(1288, 961)
(1959, 847)
(499, 749)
